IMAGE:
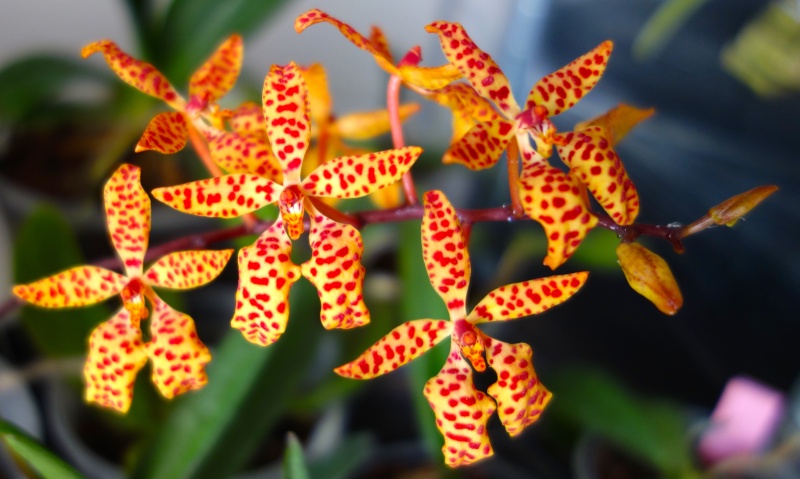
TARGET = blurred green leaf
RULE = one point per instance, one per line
(193, 29)
(40, 459)
(341, 462)
(44, 246)
(29, 83)
(213, 432)
(653, 430)
(662, 25)
(421, 301)
(294, 464)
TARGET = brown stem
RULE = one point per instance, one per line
(333, 213)
(512, 154)
(393, 107)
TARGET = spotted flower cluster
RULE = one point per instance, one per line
(292, 152)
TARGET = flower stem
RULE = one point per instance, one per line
(512, 154)
(393, 107)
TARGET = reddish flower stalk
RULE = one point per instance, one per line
(512, 154)
(393, 107)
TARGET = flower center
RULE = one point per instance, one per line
(291, 208)
(133, 300)
(469, 341)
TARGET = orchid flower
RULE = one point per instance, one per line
(555, 199)
(461, 410)
(116, 349)
(266, 271)
(168, 131)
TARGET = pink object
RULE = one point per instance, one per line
(744, 421)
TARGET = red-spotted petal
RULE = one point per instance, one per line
(618, 121)
(179, 357)
(378, 50)
(482, 145)
(140, 75)
(319, 98)
(187, 269)
(166, 133)
(218, 74)
(244, 153)
(116, 354)
(445, 253)
(226, 196)
(461, 412)
(557, 202)
(266, 274)
(403, 344)
(79, 286)
(467, 106)
(248, 118)
(128, 216)
(354, 176)
(285, 102)
(475, 65)
(560, 90)
(520, 395)
(591, 158)
(428, 78)
(516, 300)
(335, 270)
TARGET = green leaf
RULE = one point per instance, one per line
(43, 461)
(342, 461)
(193, 29)
(421, 301)
(213, 432)
(669, 17)
(294, 464)
(46, 245)
(31, 82)
(653, 430)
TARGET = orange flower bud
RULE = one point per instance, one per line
(649, 275)
(730, 210)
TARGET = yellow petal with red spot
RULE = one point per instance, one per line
(285, 103)
(467, 106)
(218, 74)
(128, 216)
(520, 395)
(560, 90)
(429, 78)
(403, 344)
(166, 133)
(140, 75)
(556, 201)
(461, 412)
(319, 98)
(591, 158)
(618, 121)
(187, 269)
(477, 67)
(366, 125)
(354, 176)
(444, 252)
(335, 270)
(248, 118)
(266, 274)
(116, 354)
(378, 41)
(378, 50)
(244, 153)
(79, 286)
(179, 357)
(226, 196)
(517, 300)
(649, 275)
(482, 145)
